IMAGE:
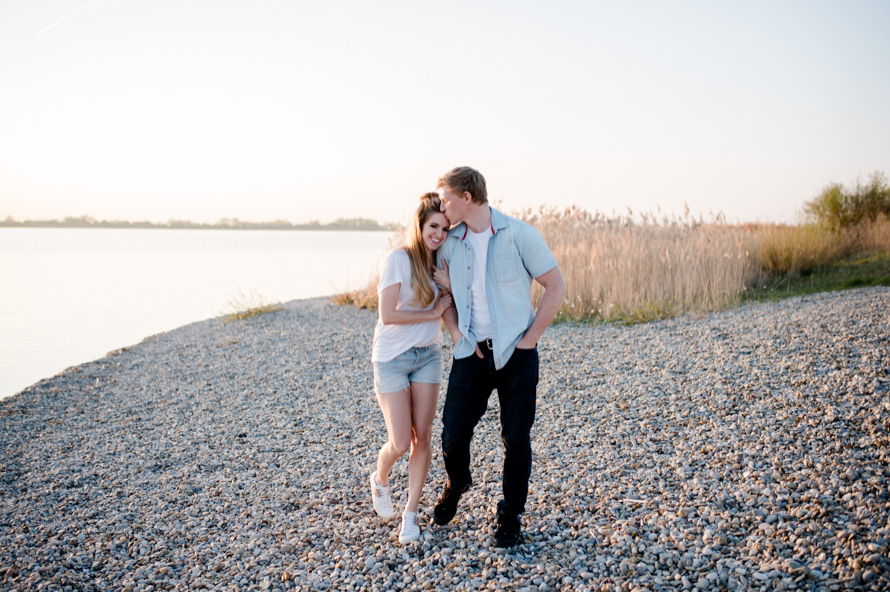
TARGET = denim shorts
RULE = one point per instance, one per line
(417, 364)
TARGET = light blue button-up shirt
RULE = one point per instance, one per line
(517, 254)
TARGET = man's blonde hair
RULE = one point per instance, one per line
(460, 179)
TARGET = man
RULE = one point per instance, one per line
(491, 260)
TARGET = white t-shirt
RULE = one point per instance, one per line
(392, 340)
(480, 319)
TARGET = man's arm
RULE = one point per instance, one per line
(554, 294)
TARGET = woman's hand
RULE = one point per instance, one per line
(441, 277)
(442, 304)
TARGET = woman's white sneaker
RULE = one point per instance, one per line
(380, 497)
(410, 530)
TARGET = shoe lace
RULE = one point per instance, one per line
(380, 490)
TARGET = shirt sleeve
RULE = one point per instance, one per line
(535, 255)
(395, 270)
(443, 254)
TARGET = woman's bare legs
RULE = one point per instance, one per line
(423, 410)
(409, 418)
(396, 409)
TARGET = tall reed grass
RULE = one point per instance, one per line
(645, 269)
(636, 269)
(872, 236)
(800, 249)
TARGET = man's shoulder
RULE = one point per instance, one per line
(456, 230)
(455, 234)
(502, 220)
(451, 241)
(518, 228)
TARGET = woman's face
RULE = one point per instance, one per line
(434, 231)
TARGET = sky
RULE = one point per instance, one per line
(266, 109)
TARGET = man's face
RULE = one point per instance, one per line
(453, 205)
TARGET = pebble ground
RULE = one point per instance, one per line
(741, 450)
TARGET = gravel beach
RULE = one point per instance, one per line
(740, 450)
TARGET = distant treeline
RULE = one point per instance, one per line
(223, 224)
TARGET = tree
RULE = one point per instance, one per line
(840, 208)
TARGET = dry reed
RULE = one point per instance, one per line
(362, 298)
(630, 269)
(873, 236)
(620, 269)
(796, 250)
(793, 250)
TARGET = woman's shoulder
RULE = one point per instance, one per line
(399, 253)
(397, 257)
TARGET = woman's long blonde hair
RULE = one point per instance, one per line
(419, 254)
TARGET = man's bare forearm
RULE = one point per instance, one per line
(553, 297)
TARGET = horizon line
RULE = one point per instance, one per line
(223, 223)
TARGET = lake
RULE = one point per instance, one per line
(68, 296)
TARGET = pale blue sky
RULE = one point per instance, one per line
(155, 109)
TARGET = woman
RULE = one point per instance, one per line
(407, 357)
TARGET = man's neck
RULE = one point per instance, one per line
(479, 220)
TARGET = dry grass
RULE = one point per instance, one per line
(367, 297)
(362, 298)
(792, 250)
(244, 306)
(620, 269)
(636, 269)
(795, 250)
(873, 236)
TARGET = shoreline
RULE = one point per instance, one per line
(740, 448)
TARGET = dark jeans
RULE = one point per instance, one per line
(470, 384)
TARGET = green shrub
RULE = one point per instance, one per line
(840, 208)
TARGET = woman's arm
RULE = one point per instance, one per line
(390, 315)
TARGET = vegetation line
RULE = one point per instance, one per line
(635, 269)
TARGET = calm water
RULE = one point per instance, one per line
(68, 296)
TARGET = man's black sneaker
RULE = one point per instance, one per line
(446, 507)
(507, 534)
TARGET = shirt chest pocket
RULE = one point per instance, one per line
(508, 266)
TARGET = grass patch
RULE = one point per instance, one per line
(858, 271)
(244, 306)
(645, 312)
(362, 298)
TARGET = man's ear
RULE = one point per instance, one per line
(468, 196)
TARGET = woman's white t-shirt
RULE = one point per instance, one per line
(392, 340)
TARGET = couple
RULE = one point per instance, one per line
(481, 290)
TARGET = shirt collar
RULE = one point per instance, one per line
(498, 221)
(467, 229)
